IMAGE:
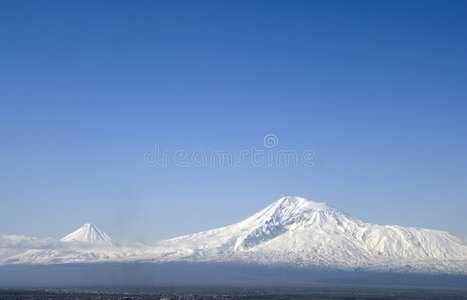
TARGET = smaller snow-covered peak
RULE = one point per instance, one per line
(88, 233)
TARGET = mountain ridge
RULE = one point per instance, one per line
(291, 231)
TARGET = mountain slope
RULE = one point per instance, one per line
(297, 231)
(291, 231)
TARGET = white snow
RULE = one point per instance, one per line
(88, 233)
(291, 231)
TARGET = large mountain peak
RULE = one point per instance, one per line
(289, 213)
(88, 233)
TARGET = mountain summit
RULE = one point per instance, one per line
(88, 233)
(287, 214)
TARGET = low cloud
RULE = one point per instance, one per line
(11, 245)
(27, 242)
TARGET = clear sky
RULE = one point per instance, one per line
(376, 89)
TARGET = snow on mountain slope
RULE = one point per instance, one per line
(297, 231)
(88, 233)
(76, 244)
(291, 231)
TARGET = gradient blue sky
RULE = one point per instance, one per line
(376, 88)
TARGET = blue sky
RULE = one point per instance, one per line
(377, 89)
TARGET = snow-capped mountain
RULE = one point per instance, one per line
(291, 231)
(297, 231)
(88, 233)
